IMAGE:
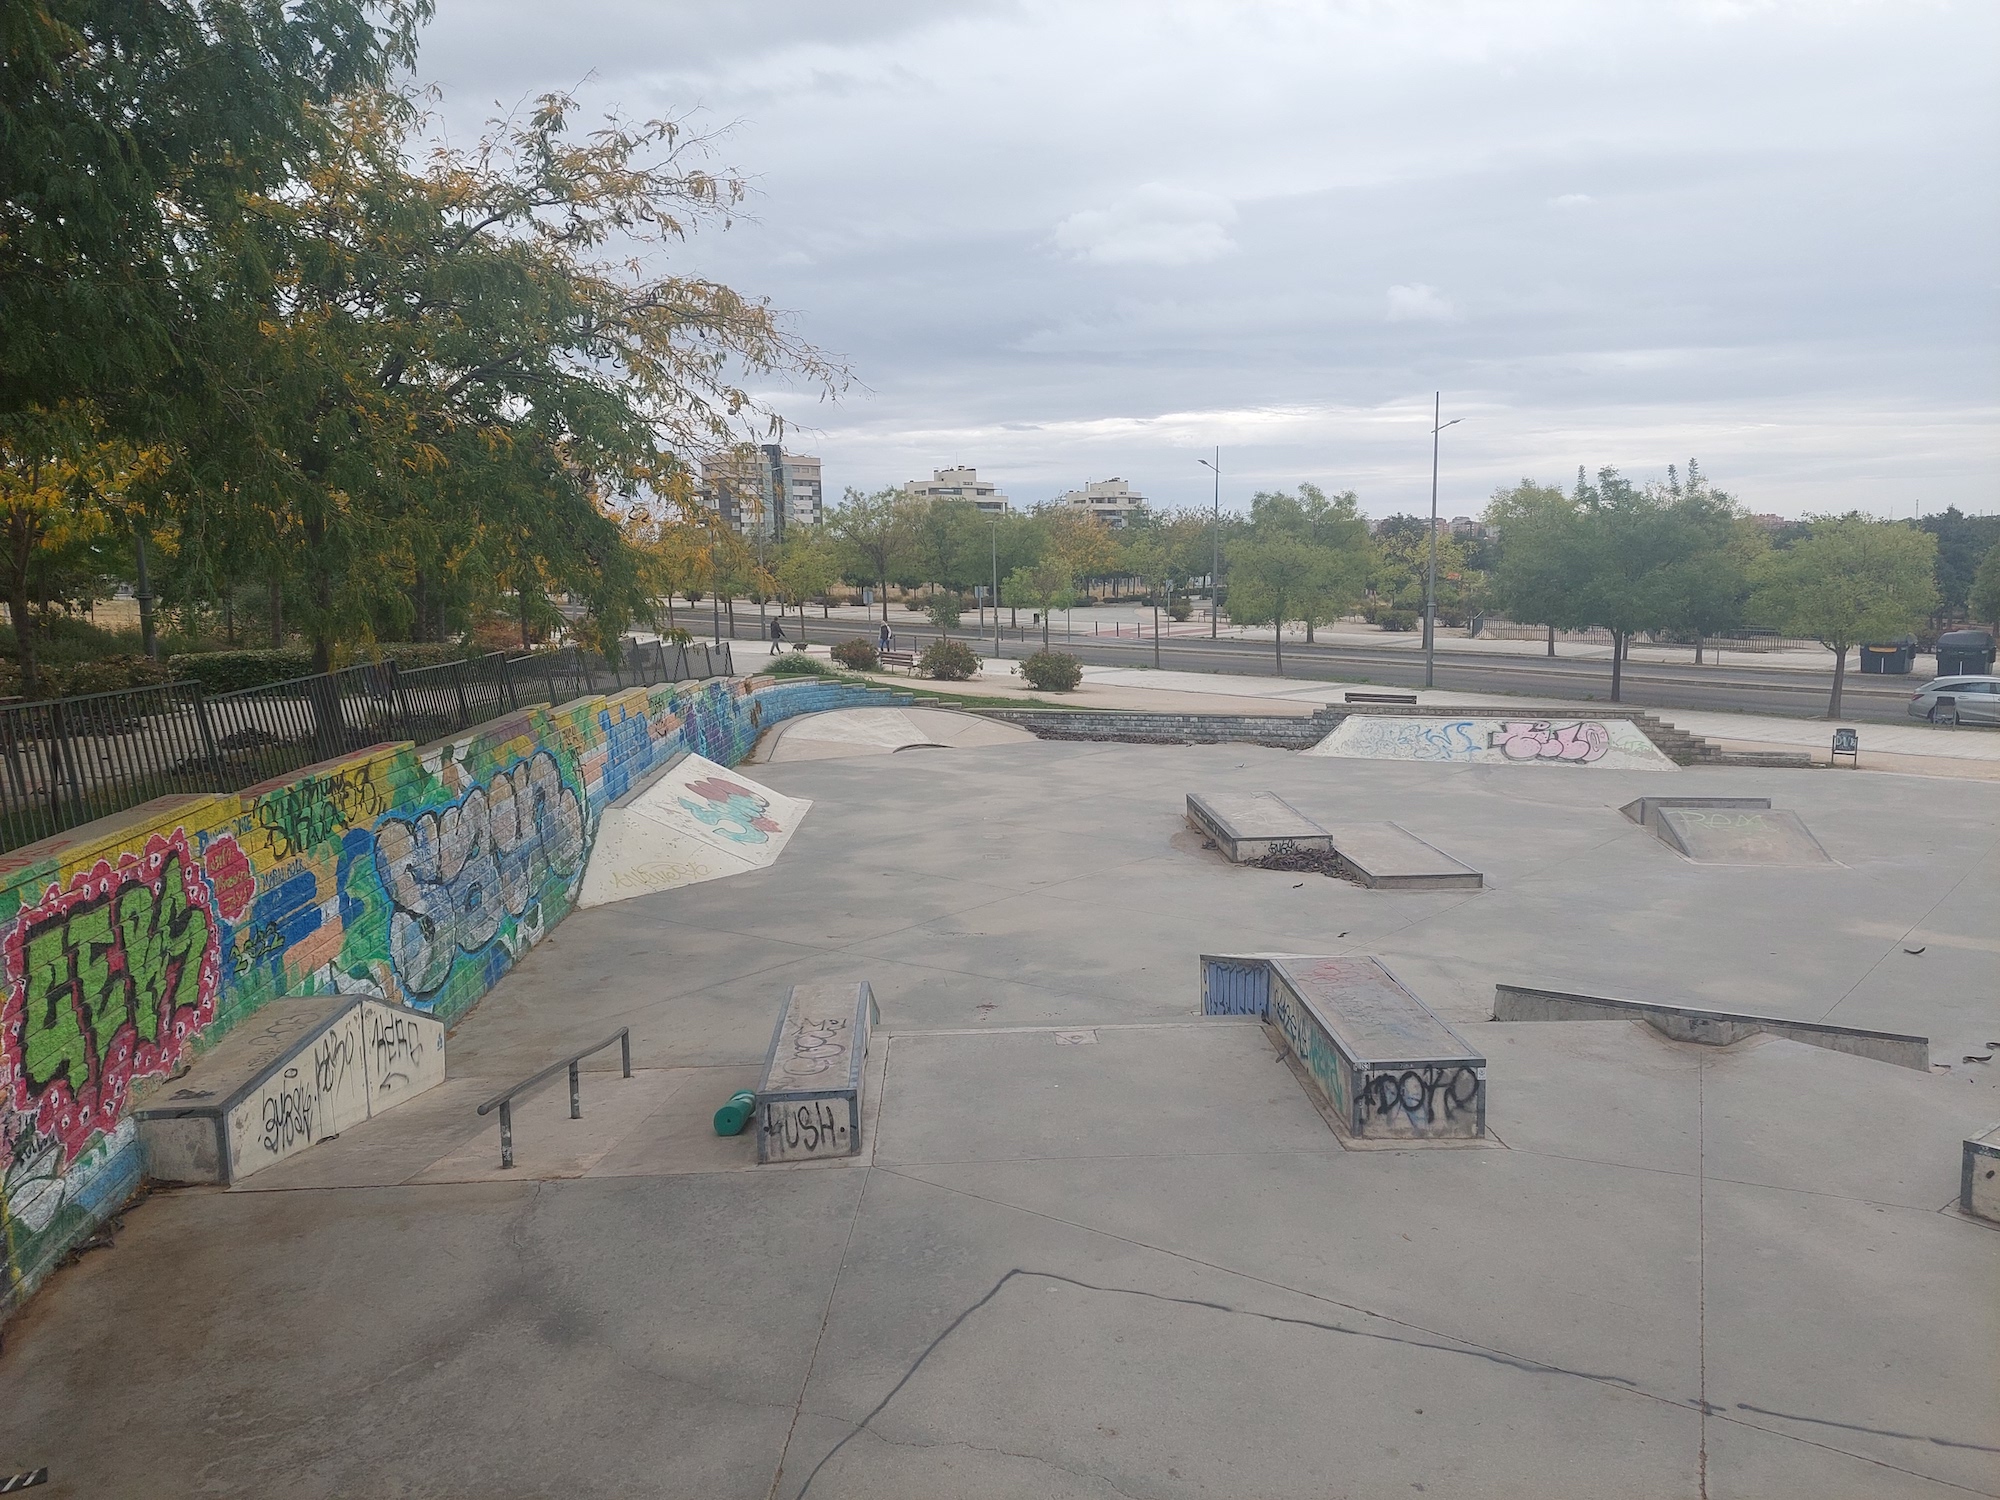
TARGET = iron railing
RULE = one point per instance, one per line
(505, 1099)
(65, 761)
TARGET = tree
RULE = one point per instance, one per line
(135, 135)
(874, 531)
(1533, 523)
(1331, 522)
(807, 567)
(1963, 541)
(1046, 585)
(941, 538)
(1983, 599)
(1155, 549)
(1850, 580)
(1273, 577)
(57, 477)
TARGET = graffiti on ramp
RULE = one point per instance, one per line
(699, 821)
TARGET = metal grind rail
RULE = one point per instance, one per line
(504, 1100)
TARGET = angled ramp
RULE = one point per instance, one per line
(1388, 857)
(1738, 836)
(697, 821)
(297, 1072)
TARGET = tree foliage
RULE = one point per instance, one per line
(1849, 580)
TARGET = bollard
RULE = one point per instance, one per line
(733, 1116)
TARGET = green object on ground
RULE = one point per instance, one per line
(733, 1116)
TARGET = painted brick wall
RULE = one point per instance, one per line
(132, 944)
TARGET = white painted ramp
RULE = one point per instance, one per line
(699, 821)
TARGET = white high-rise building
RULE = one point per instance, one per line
(1110, 500)
(959, 484)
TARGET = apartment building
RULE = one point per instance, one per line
(959, 484)
(762, 491)
(1110, 500)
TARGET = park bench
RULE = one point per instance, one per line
(907, 660)
(1381, 697)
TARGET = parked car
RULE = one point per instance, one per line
(1958, 700)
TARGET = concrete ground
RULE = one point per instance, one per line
(1098, 1245)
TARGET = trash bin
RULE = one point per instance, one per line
(1965, 653)
(1890, 657)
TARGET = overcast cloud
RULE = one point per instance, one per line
(1063, 241)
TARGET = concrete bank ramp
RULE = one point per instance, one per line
(1605, 744)
(295, 1073)
(697, 821)
(1739, 836)
(845, 732)
(1388, 857)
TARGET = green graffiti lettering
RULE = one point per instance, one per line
(164, 940)
(106, 1003)
(52, 1043)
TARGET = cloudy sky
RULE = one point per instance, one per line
(1068, 240)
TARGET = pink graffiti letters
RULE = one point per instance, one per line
(1581, 742)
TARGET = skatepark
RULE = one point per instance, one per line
(1101, 1233)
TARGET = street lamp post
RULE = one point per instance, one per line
(1431, 573)
(995, 539)
(1215, 566)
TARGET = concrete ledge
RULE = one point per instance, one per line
(1979, 1176)
(809, 1097)
(1385, 1066)
(1254, 825)
(1712, 1028)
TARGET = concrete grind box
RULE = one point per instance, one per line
(1247, 826)
(809, 1099)
(1386, 1067)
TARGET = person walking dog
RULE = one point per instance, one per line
(777, 636)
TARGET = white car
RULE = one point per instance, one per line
(1958, 700)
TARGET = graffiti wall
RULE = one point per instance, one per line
(412, 874)
(1606, 744)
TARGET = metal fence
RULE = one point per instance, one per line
(66, 761)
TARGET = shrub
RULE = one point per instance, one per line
(798, 664)
(1052, 671)
(943, 611)
(76, 679)
(948, 661)
(1396, 619)
(858, 655)
(226, 671)
(1180, 607)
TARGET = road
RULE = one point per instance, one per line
(1744, 689)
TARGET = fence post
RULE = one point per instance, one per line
(458, 687)
(58, 759)
(582, 659)
(208, 748)
(399, 702)
(507, 681)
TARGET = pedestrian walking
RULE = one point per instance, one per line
(886, 637)
(777, 636)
